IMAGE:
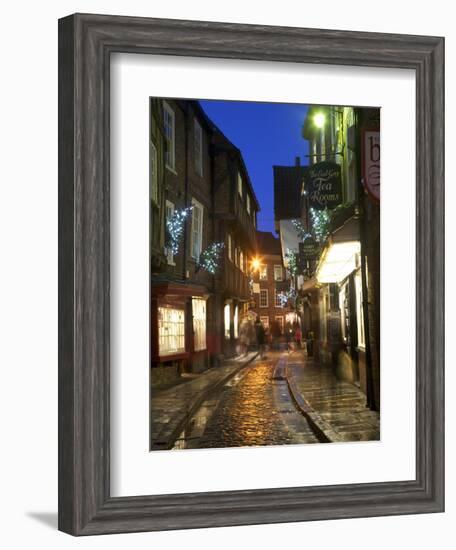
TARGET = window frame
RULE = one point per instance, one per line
(276, 295)
(197, 206)
(267, 298)
(281, 273)
(181, 337)
(170, 152)
(266, 271)
(240, 184)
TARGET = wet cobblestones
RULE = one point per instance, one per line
(252, 410)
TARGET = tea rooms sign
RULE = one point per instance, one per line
(323, 185)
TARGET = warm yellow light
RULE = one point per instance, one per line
(256, 264)
(319, 120)
(338, 262)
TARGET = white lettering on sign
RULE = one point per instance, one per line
(371, 163)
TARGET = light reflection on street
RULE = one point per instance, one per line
(252, 409)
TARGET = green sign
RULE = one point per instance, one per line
(323, 185)
(309, 249)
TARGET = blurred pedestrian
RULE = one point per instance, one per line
(244, 338)
(260, 336)
(298, 337)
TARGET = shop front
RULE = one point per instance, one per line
(342, 340)
(179, 315)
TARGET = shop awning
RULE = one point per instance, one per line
(339, 259)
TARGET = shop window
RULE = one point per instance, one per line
(171, 330)
(236, 322)
(344, 307)
(227, 318)
(264, 297)
(359, 310)
(199, 323)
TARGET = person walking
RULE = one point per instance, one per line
(244, 338)
(298, 337)
(260, 336)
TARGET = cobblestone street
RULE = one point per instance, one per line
(253, 408)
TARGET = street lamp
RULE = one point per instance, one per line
(319, 120)
(256, 263)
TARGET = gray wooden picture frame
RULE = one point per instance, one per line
(85, 45)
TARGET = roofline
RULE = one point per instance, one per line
(215, 129)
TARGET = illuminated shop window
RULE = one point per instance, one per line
(227, 318)
(199, 323)
(236, 322)
(265, 321)
(171, 330)
(359, 310)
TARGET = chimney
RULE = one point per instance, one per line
(297, 161)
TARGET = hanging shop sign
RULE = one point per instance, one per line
(370, 155)
(309, 249)
(323, 185)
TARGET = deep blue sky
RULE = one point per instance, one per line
(267, 134)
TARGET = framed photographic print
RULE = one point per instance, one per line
(250, 294)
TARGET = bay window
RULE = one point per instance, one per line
(171, 330)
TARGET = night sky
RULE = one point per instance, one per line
(267, 134)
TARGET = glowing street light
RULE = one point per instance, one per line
(319, 120)
(256, 264)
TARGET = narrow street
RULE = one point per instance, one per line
(253, 408)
